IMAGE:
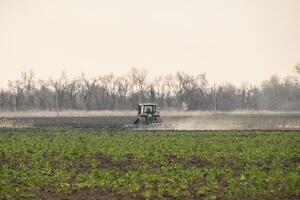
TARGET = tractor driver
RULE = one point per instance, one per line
(148, 110)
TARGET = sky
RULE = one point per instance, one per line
(229, 40)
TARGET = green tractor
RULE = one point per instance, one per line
(147, 114)
(148, 117)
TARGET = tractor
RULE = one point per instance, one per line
(147, 114)
(148, 117)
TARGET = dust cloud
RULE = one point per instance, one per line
(188, 120)
(237, 120)
(67, 113)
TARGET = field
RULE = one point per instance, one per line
(181, 120)
(53, 161)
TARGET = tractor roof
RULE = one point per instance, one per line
(148, 104)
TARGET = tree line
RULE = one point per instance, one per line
(179, 91)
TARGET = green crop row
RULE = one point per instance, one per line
(150, 165)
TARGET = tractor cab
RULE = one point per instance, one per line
(147, 114)
(147, 108)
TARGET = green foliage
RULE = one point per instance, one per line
(151, 165)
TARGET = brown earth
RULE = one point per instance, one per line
(82, 194)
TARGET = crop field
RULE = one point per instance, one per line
(71, 163)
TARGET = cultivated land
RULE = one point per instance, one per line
(181, 120)
(65, 162)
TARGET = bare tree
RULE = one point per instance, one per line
(138, 81)
(171, 91)
(168, 89)
(43, 95)
(59, 85)
(178, 87)
(122, 90)
(28, 88)
(88, 87)
(157, 90)
(17, 89)
(3, 99)
(73, 91)
(109, 83)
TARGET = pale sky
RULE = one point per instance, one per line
(229, 40)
